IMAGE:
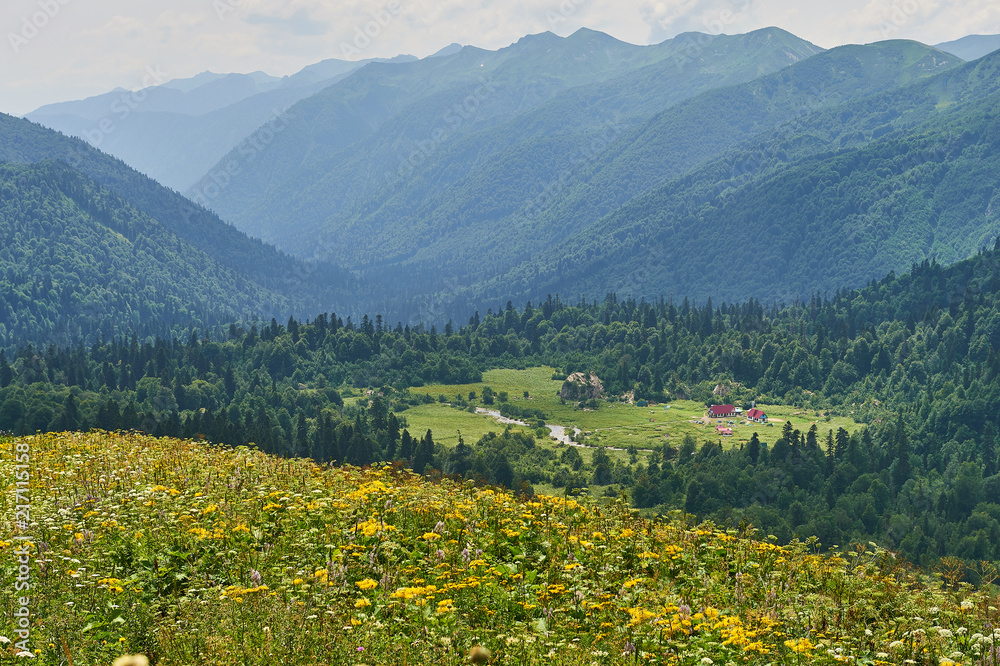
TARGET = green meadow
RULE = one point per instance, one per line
(616, 425)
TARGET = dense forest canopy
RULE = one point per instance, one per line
(913, 356)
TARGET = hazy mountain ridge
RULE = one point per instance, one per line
(612, 165)
(283, 284)
(177, 130)
(839, 197)
(431, 140)
(971, 47)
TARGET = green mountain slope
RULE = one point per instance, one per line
(791, 214)
(396, 136)
(290, 282)
(535, 194)
(914, 358)
(682, 137)
(78, 263)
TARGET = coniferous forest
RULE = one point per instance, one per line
(913, 357)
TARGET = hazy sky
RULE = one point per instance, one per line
(56, 50)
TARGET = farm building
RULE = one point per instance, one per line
(717, 411)
(724, 431)
(757, 416)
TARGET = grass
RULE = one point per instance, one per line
(197, 554)
(446, 423)
(615, 424)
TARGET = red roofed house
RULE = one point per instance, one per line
(718, 411)
(757, 415)
(724, 431)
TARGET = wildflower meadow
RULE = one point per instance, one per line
(191, 553)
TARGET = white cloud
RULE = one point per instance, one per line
(82, 48)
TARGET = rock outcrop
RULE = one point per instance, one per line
(580, 386)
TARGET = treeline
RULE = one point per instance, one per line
(136, 275)
(914, 357)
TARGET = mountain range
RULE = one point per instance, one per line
(177, 130)
(741, 166)
(971, 47)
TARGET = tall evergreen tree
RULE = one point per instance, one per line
(6, 372)
(989, 451)
(70, 417)
(901, 450)
(424, 455)
(753, 448)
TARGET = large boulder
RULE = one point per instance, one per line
(579, 387)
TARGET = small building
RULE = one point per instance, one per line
(724, 431)
(756, 416)
(717, 411)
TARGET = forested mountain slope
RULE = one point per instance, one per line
(531, 196)
(362, 140)
(839, 196)
(299, 286)
(79, 264)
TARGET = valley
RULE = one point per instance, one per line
(569, 350)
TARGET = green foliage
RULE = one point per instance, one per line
(838, 197)
(446, 155)
(225, 273)
(915, 357)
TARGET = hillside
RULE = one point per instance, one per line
(971, 47)
(176, 131)
(197, 554)
(837, 197)
(78, 264)
(525, 201)
(293, 286)
(879, 402)
(362, 144)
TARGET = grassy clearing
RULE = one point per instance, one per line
(446, 423)
(614, 424)
(196, 554)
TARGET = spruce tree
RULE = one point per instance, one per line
(753, 449)
(989, 451)
(901, 470)
(6, 373)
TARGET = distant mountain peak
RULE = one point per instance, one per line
(547, 37)
(196, 81)
(971, 47)
(451, 49)
(589, 35)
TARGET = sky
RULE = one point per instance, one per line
(57, 50)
